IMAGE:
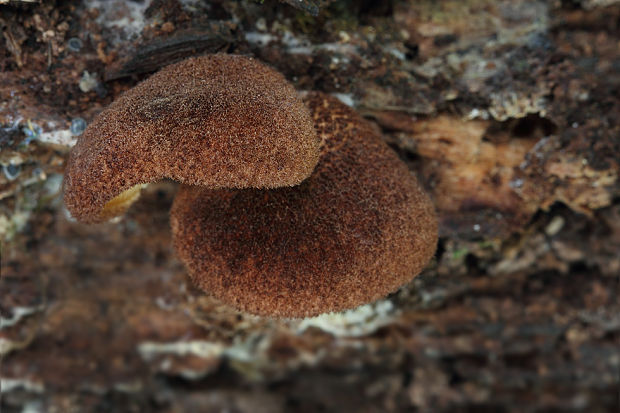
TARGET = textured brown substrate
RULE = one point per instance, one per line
(220, 121)
(356, 230)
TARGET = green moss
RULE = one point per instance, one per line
(460, 253)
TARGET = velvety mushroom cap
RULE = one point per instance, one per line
(359, 228)
(219, 121)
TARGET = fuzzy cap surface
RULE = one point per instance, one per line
(220, 121)
(359, 228)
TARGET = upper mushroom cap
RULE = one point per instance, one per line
(220, 121)
(356, 230)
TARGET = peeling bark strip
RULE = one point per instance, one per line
(158, 53)
(309, 6)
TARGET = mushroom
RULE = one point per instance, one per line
(357, 229)
(219, 121)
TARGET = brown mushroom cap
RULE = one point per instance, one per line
(356, 230)
(219, 121)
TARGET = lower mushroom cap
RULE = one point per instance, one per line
(356, 230)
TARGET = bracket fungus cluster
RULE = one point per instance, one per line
(290, 206)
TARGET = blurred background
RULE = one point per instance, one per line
(507, 111)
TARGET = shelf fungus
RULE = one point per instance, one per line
(357, 229)
(218, 121)
(290, 206)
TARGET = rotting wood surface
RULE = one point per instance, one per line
(508, 112)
